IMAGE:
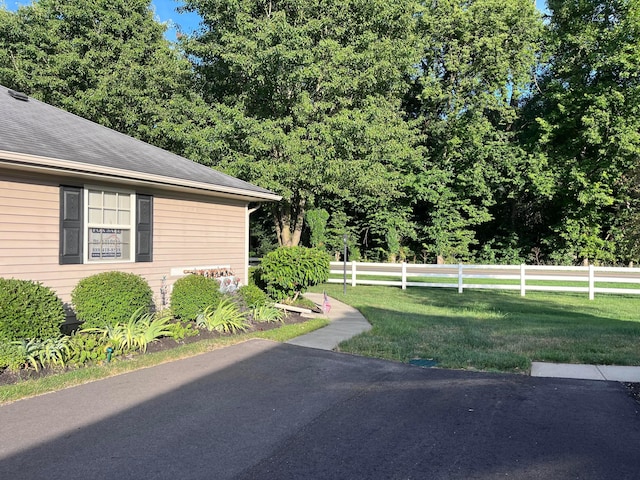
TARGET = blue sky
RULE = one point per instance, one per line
(166, 12)
(187, 22)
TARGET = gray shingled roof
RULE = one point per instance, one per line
(36, 128)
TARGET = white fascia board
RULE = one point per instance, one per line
(24, 162)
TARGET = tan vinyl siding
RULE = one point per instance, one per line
(189, 231)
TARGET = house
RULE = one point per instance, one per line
(77, 198)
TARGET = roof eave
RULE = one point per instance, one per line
(34, 163)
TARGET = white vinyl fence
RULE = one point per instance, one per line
(523, 277)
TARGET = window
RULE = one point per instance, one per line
(109, 225)
(102, 225)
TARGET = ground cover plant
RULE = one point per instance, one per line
(493, 330)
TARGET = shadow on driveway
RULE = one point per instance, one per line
(262, 410)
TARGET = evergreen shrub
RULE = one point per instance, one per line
(192, 294)
(109, 298)
(289, 271)
(28, 310)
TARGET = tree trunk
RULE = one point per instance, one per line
(289, 221)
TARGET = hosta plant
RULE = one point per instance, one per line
(226, 317)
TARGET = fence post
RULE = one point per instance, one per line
(353, 273)
(522, 280)
(459, 278)
(404, 275)
(591, 282)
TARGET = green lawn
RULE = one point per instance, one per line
(493, 330)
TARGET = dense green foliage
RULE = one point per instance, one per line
(225, 317)
(86, 348)
(109, 298)
(290, 271)
(11, 356)
(136, 333)
(584, 121)
(28, 310)
(252, 296)
(192, 294)
(315, 94)
(457, 130)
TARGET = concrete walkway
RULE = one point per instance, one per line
(585, 372)
(347, 322)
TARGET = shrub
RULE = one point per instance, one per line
(110, 298)
(28, 310)
(252, 296)
(11, 356)
(192, 294)
(289, 271)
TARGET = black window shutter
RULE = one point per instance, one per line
(144, 228)
(71, 209)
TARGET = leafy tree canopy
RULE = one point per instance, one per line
(315, 88)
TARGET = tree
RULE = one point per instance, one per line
(314, 89)
(585, 121)
(477, 60)
(107, 61)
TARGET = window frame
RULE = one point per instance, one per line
(131, 226)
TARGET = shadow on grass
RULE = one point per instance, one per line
(491, 330)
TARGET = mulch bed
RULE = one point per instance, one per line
(8, 377)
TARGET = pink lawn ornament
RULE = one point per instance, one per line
(326, 306)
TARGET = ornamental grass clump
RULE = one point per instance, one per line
(110, 298)
(226, 317)
(135, 334)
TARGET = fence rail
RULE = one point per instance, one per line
(458, 276)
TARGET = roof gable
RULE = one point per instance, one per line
(34, 128)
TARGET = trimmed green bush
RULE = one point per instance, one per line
(28, 310)
(252, 296)
(289, 271)
(192, 294)
(11, 356)
(109, 298)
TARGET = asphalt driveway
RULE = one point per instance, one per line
(262, 410)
